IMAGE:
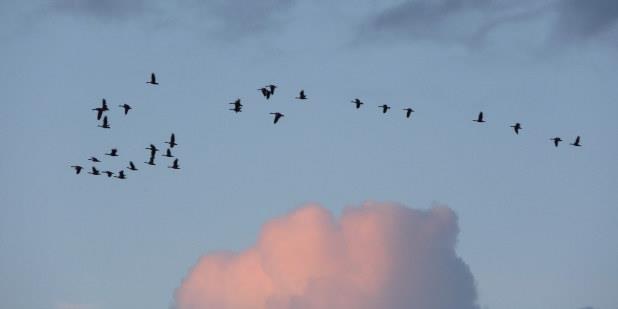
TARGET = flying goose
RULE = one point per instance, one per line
(132, 166)
(357, 102)
(77, 168)
(105, 124)
(556, 140)
(126, 108)
(175, 165)
(384, 108)
(301, 95)
(277, 116)
(479, 119)
(409, 112)
(153, 79)
(516, 127)
(576, 143)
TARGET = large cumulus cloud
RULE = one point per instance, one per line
(373, 256)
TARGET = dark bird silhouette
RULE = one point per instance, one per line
(277, 116)
(237, 106)
(265, 92)
(77, 168)
(132, 166)
(409, 112)
(168, 153)
(105, 124)
(556, 140)
(94, 171)
(108, 173)
(126, 107)
(301, 95)
(271, 89)
(153, 150)
(172, 141)
(576, 143)
(94, 159)
(175, 165)
(357, 102)
(113, 153)
(516, 127)
(479, 118)
(121, 175)
(153, 79)
(150, 161)
(101, 109)
(384, 108)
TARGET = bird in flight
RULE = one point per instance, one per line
(409, 112)
(172, 141)
(108, 173)
(556, 140)
(277, 116)
(151, 161)
(237, 106)
(94, 159)
(301, 95)
(121, 175)
(113, 153)
(384, 108)
(153, 79)
(576, 143)
(101, 109)
(126, 108)
(168, 153)
(105, 124)
(132, 166)
(516, 127)
(479, 119)
(175, 165)
(271, 89)
(77, 168)
(357, 102)
(94, 171)
(265, 92)
(153, 150)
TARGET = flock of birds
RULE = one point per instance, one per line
(114, 151)
(266, 91)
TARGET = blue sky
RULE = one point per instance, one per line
(537, 223)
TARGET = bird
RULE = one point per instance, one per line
(150, 161)
(121, 175)
(77, 168)
(516, 127)
(357, 102)
(172, 141)
(126, 107)
(265, 92)
(556, 140)
(101, 109)
(480, 118)
(301, 95)
(384, 108)
(132, 166)
(94, 159)
(409, 112)
(175, 165)
(108, 173)
(237, 106)
(113, 153)
(168, 153)
(271, 89)
(152, 149)
(105, 124)
(576, 143)
(153, 79)
(277, 116)
(94, 171)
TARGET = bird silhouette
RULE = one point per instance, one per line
(151, 161)
(77, 168)
(94, 171)
(516, 127)
(121, 175)
(237, 106)
(576, 143)
(556, 140)
(479, 119)
(384, 108)
(265, 92)
(172, 141)
(277, 116)
(94, 159)
(113, 153)
(101, 109)
(153, 79)
(409, 112)
(132, 166)
(168, 153)
(108, 173)
(301, 95)
(271, 89)
(357, 102)
(126, 108)
(105, 124)
(175, 165)
(153, 150)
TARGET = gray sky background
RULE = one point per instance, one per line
(538, 224)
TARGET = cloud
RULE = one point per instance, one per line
(104, 9)
(373, 256)
(582, 20)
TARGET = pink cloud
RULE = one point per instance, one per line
(373, 256)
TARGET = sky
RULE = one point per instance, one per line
(527, 225)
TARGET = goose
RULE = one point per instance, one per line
(105, 124)
(175, 165)
(121, 175)
(265, 92)
(101, 109)
(357, 102)
(168, 153)
(108, 173)
(132, 166)
(556, 140)
(150, 161)
(77, 168)
(94, 171)
(172, 141)
(152, 149)
(576, 143)
(112, 153)
(479, 119)
(409, 112)
(516, 127)
(277, 116)
(302, 95)
(384, 108)
(94, 159)
(271, 89)
(153, 79)
(126, 108)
